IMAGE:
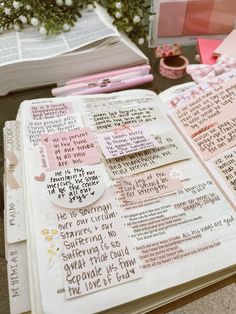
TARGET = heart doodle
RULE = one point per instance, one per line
(40, 178)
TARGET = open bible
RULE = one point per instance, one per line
(108, 207)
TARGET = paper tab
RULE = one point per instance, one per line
(70, 148)
(96, 251)
(15, 216)
(15, 212)
(75, 187)
(150, 184)
(18, 282)
(125, 140)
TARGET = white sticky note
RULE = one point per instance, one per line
(75, 187)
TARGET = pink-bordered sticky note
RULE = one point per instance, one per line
(70, 148)
(125, 140)
(150, 184)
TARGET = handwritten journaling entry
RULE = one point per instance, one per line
(106, 121)
(169, 150)
(125, 140)
(226, 165)
(130, 108)
(210, 120)
(70, 148)
(217, 139)
(96, 251)
(61, 124)
(75, 187)
(114, 110)
(149, 184)
(50, 110)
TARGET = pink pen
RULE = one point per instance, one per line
(112, 87)
(74, 88)
(96, 76)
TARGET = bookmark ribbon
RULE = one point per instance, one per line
(203, 72)
(13, 161)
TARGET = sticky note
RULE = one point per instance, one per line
(70, 148)
(150, 184)
(125, 140)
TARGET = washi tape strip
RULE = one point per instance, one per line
(173, 68)
(164, 51)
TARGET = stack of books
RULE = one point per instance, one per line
(93, 45)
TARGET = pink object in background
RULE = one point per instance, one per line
(106, 81)
(206, 48)
(204, 72)
(93, 77)
(223, 16)
(171, 18)
(198, 16)
(116, 86)
(192, 18)
(163, 51)
(174, 67)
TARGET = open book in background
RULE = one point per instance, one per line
(93, 45)
(112, 226)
